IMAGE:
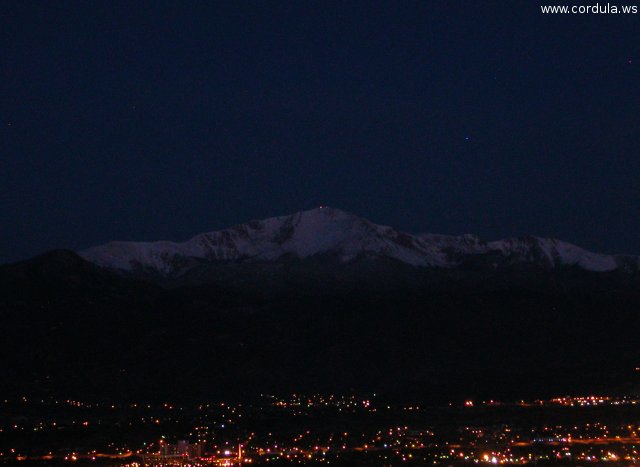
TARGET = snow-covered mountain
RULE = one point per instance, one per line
(329, 231)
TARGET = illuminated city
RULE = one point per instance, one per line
(322, 429)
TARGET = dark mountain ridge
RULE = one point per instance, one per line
(373, 323)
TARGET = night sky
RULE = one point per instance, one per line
(159, 120)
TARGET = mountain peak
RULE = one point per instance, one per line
(327, 210)
(329, 231)
(326, 214)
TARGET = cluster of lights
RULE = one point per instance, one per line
(217, 429)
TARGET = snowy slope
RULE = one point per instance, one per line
(332, 231)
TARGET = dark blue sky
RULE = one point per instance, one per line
(159, 120)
